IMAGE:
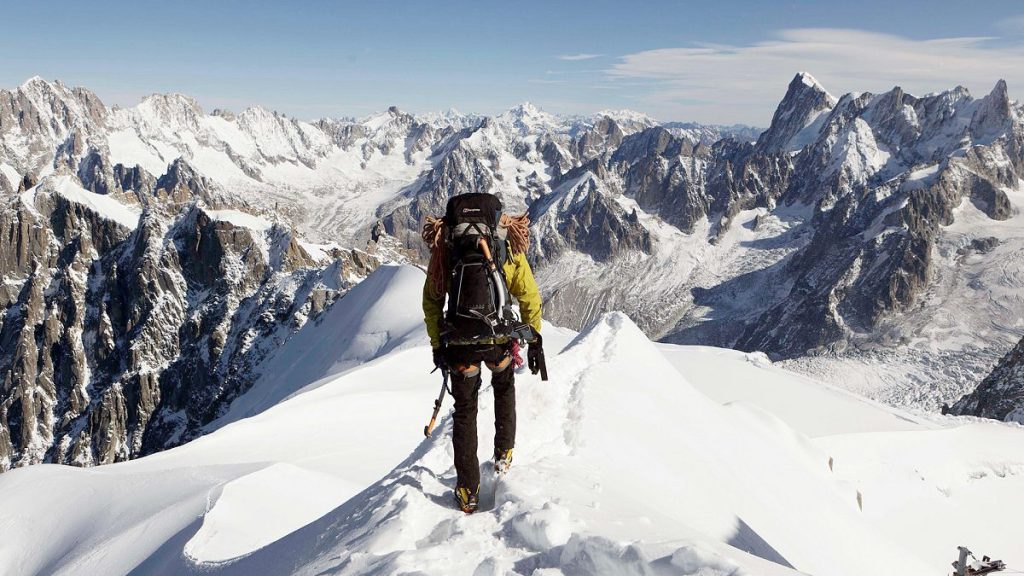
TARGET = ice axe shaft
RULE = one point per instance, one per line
(437, 404)
(487, 253)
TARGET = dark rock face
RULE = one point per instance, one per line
(804, 99)
(664, 174)
(121, 342)
(872, 258)
(588, 220)
(879, 175)
(47, 115)
(603, 136)
(1001, 394)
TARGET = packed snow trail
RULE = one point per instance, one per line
(621, 467)
(539, 518)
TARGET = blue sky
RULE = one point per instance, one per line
(706, 61)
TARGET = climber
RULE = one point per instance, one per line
(477, 259)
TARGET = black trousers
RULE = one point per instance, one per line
(464, 363)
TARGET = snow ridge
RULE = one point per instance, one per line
(737, 488)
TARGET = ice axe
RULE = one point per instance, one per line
(437, 404)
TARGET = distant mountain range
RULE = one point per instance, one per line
(151, 255)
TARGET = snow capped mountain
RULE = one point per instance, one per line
(41, 120)
(450, 118)
(627, 120)
(709, 134)
(840, 237)
(527, 119)
(724, 464)
(798, 119)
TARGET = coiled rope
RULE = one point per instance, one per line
(434, 231)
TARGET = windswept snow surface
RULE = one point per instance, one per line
(103, 205)
(239, 218)
(635, 458)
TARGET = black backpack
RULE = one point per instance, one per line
(479, 305)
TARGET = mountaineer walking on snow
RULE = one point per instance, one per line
(477, 258)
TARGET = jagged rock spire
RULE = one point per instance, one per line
(805, 99)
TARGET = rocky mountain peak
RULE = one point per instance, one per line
(993, 115)
(525, 109)
(809, 81)
(39, 117)
(452, 118)
(805, 102)
(58, 98)
(526, 118)
(176, 110)
(35, 83)
(50, 94)
(390, 118)
(1000, 92)
(628, 120)
(181, 183)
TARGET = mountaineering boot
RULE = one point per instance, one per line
(466, 499)
(502, 460)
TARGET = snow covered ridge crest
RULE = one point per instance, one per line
(737, 454)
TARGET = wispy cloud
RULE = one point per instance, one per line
(577, 57)
(1011, 24)
(726, 83)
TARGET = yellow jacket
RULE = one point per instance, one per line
(521, 285)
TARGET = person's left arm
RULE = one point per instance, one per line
(523, 286)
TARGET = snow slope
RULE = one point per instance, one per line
(752, 378)
(358, 328)
(634, 458)
(106, 207)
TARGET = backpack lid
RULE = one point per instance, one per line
(475, 207)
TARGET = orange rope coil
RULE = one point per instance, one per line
(517, 227)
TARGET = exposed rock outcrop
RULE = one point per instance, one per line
(123, 340)
(1001, 394)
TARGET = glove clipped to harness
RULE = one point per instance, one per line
(535, 357)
